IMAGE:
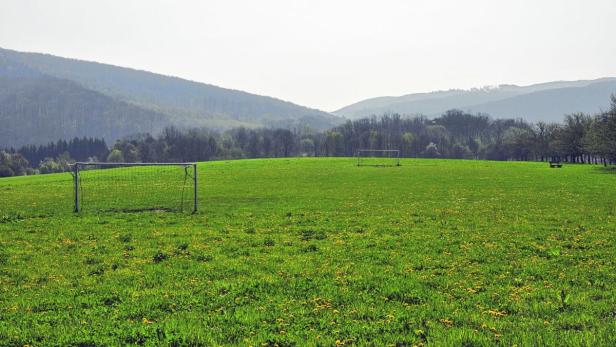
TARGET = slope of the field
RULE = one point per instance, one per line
(319, 251)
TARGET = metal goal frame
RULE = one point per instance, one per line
(75, 168)
(396, 157)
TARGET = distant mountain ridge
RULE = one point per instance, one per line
(539, 102)
(168, 100)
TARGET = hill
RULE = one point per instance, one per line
(39, 110)
(313, 251)
(180, 102)
(539, 102)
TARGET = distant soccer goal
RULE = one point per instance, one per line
(135, 187)
(378, 157)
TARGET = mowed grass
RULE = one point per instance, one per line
(320, 252)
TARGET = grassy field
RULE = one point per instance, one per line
(320, 252)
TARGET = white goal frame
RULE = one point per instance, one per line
(76, 167)
(395, 151)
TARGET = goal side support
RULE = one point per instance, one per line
(194, 165)
(75, 174)
(76, 186)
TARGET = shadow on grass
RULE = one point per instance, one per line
(606, 170)
(370, 165)
(143, 210)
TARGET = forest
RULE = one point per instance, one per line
(580, 138)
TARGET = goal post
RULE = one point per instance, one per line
(134, 187)
(378, 157)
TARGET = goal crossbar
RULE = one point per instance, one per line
(391, 154)
(131, 164)
(78, 167)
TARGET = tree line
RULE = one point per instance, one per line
(580, 138)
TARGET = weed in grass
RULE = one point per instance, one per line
(565, 300)
(112, 300)
(311, 249)
(97, 271)
(91, 261)
(11, 218)
(204, 258)
(307, 235)
(159, 256)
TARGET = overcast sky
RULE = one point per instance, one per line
(327, 53)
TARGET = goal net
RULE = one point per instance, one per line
(134, 187)
(378, 157)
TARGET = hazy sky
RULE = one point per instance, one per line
(327, 54)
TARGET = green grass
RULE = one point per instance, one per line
(320, 252)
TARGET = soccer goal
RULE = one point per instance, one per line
(135, 187)
(378, 157)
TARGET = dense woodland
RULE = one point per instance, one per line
(37, 110)
(580, 138)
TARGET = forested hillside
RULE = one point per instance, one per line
(185, 103)
(39, 109)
